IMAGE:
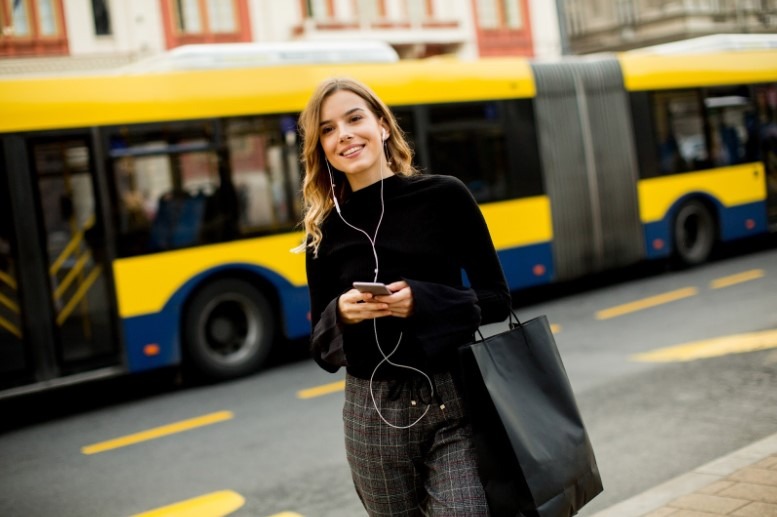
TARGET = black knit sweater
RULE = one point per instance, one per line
(432, 230)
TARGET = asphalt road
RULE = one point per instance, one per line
(257, 447)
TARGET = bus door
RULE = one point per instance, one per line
(14, 359)
(77, 268)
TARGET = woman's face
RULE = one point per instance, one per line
(352, 138)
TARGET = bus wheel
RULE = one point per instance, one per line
(694, 233)
(228, 330)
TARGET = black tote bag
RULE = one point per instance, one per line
(534, 455)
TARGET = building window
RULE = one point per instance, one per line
(188, 16)
(502, 28)
(372, 10)
(31, 27)
(319, 9)
(626, 12)
(222, 16)
(30, 18)
(418, 10)
(47, 18)
(196, 17)
(101, 18)
(20, 19)
(499, 14)
(205, 21)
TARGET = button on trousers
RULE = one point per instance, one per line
(428, 469)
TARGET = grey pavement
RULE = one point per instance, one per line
(742, 484)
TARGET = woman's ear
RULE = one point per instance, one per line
(384, 132)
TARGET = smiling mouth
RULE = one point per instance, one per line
(351, 151)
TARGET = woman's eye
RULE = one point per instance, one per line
(325, 130)
(356, 118)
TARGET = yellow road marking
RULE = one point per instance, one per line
(158, 432)
(216, 504)
(646, 303)
(318, 391)
(716, 347)
(746, 276)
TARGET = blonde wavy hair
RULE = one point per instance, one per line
(316, 188)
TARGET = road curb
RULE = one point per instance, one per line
(684, 484)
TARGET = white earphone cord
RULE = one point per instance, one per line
(386, 358)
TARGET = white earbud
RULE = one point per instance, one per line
(332, 183)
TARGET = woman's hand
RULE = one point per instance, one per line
(400, 301)
(355, 306)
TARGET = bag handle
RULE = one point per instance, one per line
(513, 323)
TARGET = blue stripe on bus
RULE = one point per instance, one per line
(158, 330)
(163, 329)
(523, 266)
(527, 266)
(743, 221)
(297, 304)
(734, 222)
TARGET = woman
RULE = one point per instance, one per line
(371, 217)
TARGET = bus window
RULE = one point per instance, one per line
(265, 172)
(406, 120)
(468, 141)
(77, 265)
(731, 117)
(13, 360)
(168, 189)
(766, 128)
(679, 132)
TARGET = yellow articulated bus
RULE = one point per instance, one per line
(146, 219)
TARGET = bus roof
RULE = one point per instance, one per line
(255, 54)
(44, 103)
(712, 43)
(657, 71)
(68, 102)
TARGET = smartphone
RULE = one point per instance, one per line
(372, 287)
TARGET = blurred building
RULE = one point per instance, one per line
(44, 36)
(611, 25)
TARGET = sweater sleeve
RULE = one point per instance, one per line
(477, 254)
(443, 317)
(326, 339)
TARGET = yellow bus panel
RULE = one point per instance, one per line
(66, 102)
(145, 284)
(731, 186)
(519, 222)
(646, 71)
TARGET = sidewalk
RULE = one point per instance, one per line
(742, 484)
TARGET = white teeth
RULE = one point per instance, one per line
(351, 151)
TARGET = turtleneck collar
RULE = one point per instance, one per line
(375, 187)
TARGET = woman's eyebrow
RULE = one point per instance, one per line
(323, 122)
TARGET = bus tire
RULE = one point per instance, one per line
(694, 233)
(229, 330)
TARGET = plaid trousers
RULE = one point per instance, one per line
(429, 469)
